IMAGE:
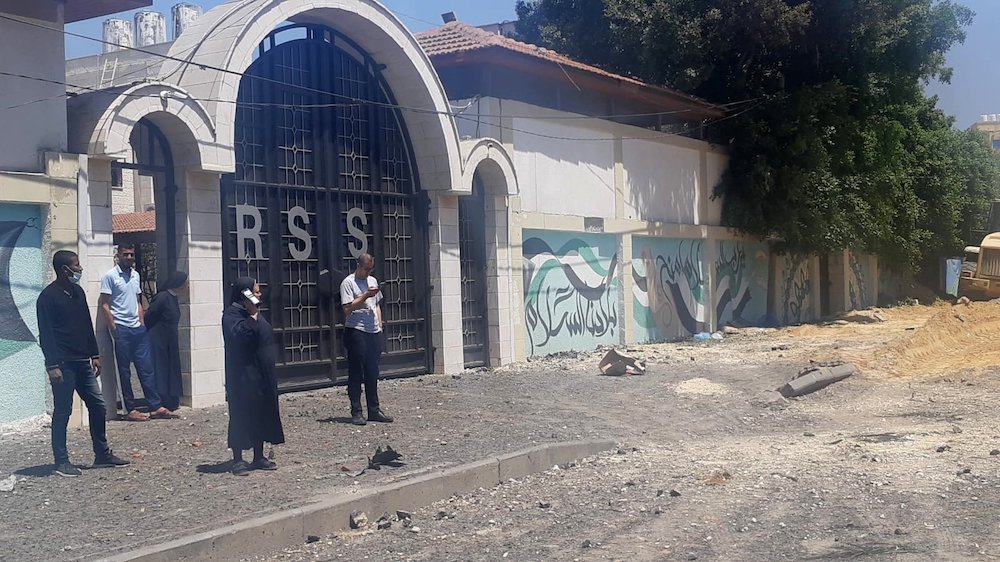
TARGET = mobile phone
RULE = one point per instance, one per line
(249, 295)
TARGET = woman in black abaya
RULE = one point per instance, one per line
(251, 382)
(162, 320)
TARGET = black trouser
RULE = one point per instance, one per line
(78, 376)
(364, 351)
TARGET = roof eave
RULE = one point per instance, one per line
(621, 87)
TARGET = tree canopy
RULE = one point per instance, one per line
(833, 143)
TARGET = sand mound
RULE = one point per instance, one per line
(954, 338)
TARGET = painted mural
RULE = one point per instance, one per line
(669, 292)
(859, 280)
(22, 275)
(570, 291)
(796, 290)
(741, 269)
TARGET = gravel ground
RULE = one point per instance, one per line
(868, 468)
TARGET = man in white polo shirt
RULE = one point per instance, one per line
(120, 302)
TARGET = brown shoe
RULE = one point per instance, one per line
(163, 414)
(136, 416)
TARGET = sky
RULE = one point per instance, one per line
(417, 15)
(974, 88)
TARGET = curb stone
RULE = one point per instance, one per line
(332, 513)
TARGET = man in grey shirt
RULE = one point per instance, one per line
(120, 303)
(360, 295)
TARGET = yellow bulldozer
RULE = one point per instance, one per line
(980, 277)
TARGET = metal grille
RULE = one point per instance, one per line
(991, 263)
(472, 248)
(319, 179)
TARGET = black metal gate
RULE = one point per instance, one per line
(324, 172)
(472, 254)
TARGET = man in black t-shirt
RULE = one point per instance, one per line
(66, 335)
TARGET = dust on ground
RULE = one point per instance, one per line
(832, 474)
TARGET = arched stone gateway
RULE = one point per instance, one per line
(324, 173)
(224, 42)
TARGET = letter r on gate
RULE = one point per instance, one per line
(249, 233)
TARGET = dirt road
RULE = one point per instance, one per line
(886, 465)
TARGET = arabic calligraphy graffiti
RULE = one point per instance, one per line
(796, 289)
(858, 281)
(740, 282)
(570, 294)
(669, 289)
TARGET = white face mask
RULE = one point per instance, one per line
(74, 276)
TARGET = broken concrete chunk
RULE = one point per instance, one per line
(359, 520)
(616, 364)
(814, 378)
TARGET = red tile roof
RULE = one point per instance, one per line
(457, 38)
(134, 222)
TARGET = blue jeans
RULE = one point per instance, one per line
(77, 375)
(132, 346)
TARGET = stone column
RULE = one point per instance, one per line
(446, 277)
(199, 249)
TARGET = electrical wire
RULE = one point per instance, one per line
(332, 94)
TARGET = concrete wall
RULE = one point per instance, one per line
(795, 280)
(670, 288)
(22, 275)
(38, 122)
(38, 215)
(571, 288)
(741, 277)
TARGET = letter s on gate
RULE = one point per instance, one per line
(299, 232)
(359, 245)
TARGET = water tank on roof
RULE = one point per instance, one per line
(117, 34)
(150, 28)
(184, 14)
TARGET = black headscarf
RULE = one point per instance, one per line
(240, 285)
(175, 280)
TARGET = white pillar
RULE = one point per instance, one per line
(199, 249)
(446, 276)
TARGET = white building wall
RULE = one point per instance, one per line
(38, 123)
(716, 166)
(561, 176)
(662, 182)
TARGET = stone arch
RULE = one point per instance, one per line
(490, 160)
(105, 120)
(488, 176)
(221, 45)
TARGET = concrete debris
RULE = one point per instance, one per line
(963, 301)
(616, 364)
(811, 379)
(870, 316)
(359, 520)
(7, 484)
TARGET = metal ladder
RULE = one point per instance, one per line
(108, 74)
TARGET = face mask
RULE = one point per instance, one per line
(74, 276)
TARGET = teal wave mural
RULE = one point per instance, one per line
(741, 270)
(570, 291)
(669, 289)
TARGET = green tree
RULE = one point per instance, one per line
(832, 142)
